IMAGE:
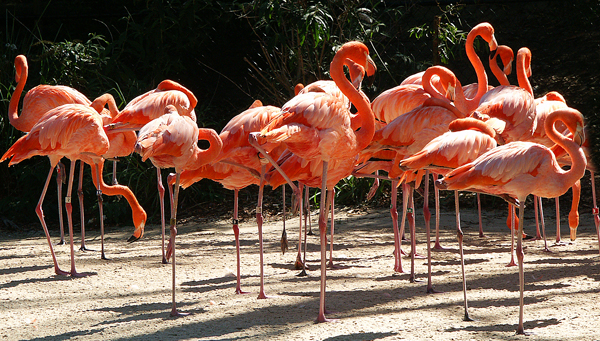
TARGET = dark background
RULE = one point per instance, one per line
(218, 50)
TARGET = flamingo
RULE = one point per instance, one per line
(238, 166)
(74, 131)
(517, 169)
(171, 141)
(147, 107)
(466, 139)
(36, 103)
(318, 126)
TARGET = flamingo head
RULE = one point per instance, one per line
(139, 220)
(20, 67)
(486, 31)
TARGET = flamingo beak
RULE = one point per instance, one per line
(579, 136)
(137, 234)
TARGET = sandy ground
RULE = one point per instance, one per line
(128, 297)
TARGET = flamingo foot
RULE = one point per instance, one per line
(165, 260)
(511, 263)
(439, 247)
(419, 256)
(60, 272)
(239, 291)
(302, 273)
(431, 290)
(61, 242)
(85, 248)
(467, 317)
(546, 249)
(81, 274)
(399, 269)
(322, 319)
(103, 256)
(175, 313)
(521, 331)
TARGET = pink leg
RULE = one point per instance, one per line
(595, 210)
(301, 215)
(405, 191)
(114, 173)
(437, 245)
(284, 241)
(259, 222)
(427, 216)
(174, 194)
(236, 233)
(81, 207)
(307, 201)
(323, 237)
(413, 237)
(539, 199)
(397, 239)
(299, 264)
(60, 179)
(538, 236)
(69, 208)
(459, 234)
(332, 201)
(161, 197)
(100, 207)
(511, 212)
(520, 257)
(481, 235)
(40, 213)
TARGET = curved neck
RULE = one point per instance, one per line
(471, 123)
(21, 70)
(365, 134)
(138, 214)
(204, 156)
(524, 69)
(442, 73)
(482, 80)
(99, 103)
(578, 160)
(168, 84)
(505, 54)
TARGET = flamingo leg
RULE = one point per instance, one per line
(307, 201)
(100, 207)
(331, 202)
(520, 257)
(397, 239)
(81, 207)
(40, 213)
(300, 264)
(512, 235)
(60, 179)
(323, 238)
(236, 233)
(427, 216)
(481, 235)
(114, 173)
(161, 199)
(539, 199)
(437, 245)
(413, 236)
(174, 194)
(595, 209)
(536, 204)
(259, 222)
(404, 210)
(284, 241)
(69, 208)
(459, 235)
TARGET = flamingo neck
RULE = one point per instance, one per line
(99, 103)
(204, 156)
(482, 80)
(138, 214)
(497, 71)
(523, 70)
(365, 134)
(427, 82)
(21, 78)
(578, 160)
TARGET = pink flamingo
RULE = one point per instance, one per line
(171, 141)
(517, 169)
(318, 126)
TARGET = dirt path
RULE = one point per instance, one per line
(129, 296)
